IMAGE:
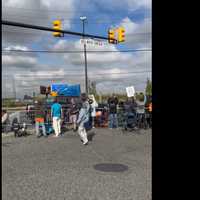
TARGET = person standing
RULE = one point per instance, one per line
(112, 104)
(94, 105)
(39, 119)
(56, 114)
(130, 113)
(140, 110)
(120, 114)
(83, 118)
(148, 111)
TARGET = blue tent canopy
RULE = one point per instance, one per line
(66, 90)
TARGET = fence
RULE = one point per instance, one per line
(101, 119)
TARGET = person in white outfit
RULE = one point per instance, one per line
(94, 105)
(56, 113)
(83, 118)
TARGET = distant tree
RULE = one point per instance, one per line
(148, 90)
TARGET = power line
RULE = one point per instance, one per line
(88, 51)
(100, 74)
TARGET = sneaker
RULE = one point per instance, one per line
(55, 136)
(86, 143)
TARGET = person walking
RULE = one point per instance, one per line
(56, 114)
(83, 118)
(112, 104)
(39, 119)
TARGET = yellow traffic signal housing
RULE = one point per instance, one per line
(121, 34)
(111, 36)
(57, 26)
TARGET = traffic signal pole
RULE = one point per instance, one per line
(110, 39)
(9, 23)
(85, 56)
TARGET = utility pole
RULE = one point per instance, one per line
(85, 55)
(14, 88)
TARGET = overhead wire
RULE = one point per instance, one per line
(88, 51)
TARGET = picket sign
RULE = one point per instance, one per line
(130, 91)
(91, 96)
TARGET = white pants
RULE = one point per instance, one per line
(57, 125)
(82, 133)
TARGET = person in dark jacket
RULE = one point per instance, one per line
(130, 113)
(39, 119)
(112, 104)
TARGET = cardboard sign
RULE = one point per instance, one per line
(91, 96)
(130, 91)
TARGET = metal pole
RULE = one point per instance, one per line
(85, 55)
(14, 88)
(17, 24)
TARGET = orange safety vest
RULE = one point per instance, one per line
(39, 119)
(150, 107)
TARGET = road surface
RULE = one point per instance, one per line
(64, 169)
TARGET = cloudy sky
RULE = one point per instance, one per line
(113, 69)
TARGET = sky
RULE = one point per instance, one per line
(113, 70)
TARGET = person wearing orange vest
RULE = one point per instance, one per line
(39, 119)
(150, 107)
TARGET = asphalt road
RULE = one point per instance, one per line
(63, 169)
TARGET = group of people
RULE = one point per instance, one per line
(118, 114)
(78, 117)
(120, 111)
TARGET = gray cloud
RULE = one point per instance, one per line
(36, 12)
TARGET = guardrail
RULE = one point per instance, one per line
(101, 120)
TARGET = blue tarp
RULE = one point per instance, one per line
(66, 90)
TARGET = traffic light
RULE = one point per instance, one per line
(121, 34)
(57, 26)
(111, 36)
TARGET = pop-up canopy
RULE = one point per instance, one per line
(66, 90)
